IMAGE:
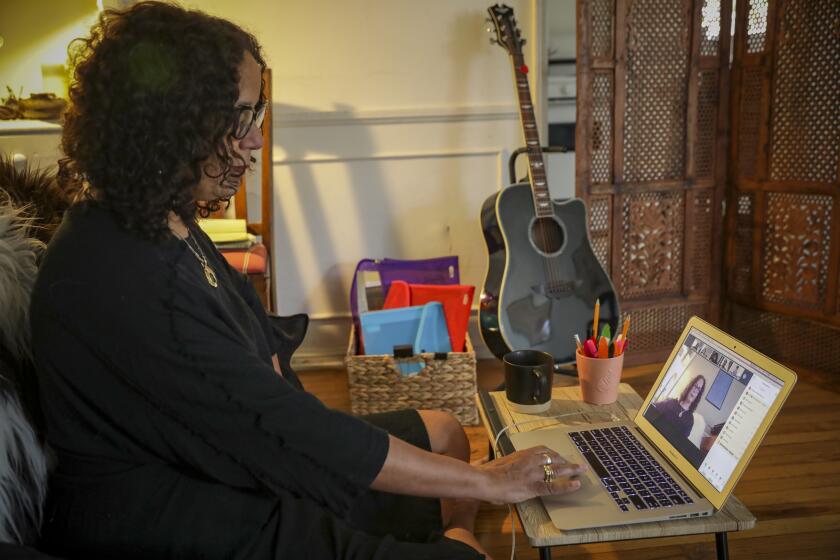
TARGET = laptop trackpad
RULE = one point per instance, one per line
(588, 487)
(590, 491)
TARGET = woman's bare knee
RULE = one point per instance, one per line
(446, 435)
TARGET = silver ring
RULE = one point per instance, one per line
(548, 460)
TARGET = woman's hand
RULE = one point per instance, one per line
(522, 475)
(508, 480)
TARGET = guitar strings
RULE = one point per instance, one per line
(549, 238)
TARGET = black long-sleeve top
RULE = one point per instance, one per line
(142, 364)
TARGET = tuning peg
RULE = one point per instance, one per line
(494, 41)
(488, 29)
(523, 42)
(488, 20)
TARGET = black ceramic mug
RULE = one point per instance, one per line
(528, 377)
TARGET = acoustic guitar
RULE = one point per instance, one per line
(543, 277)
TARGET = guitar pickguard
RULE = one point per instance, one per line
(530, 316)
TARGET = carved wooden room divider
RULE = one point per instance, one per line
(783, 249)
(651, 155)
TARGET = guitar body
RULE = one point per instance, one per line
(543, 277)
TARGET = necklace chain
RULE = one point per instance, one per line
(209, 274)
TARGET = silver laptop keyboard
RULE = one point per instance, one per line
(626, 469)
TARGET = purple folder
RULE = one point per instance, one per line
(440, 270)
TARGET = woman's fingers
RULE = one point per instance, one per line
(537, 471)
(545, 456)
(561, 482)
(562, 486)
(548, 455)
(568, 469)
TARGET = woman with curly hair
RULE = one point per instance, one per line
(177, 432)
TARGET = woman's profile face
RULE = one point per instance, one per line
(225, 186)
(696, 389)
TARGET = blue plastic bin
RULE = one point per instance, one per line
(423, 327)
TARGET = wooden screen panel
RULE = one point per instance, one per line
(805, 130)
(602, 131)
(655, 97)
(699, 239)
(749, 121)
(653, 82)
(655, 323)
(710, 25)
(603, 16)
(651, 256)
(740, 279)
(796, 243)
(783, 251)
(599, 228)
(786, 338)
(756, 25)
(707, 102)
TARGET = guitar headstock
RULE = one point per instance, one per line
(508, 35)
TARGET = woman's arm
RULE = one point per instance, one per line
(510, 479)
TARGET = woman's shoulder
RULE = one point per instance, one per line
(92, 256)
(667, 405)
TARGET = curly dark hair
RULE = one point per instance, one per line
(152, 98)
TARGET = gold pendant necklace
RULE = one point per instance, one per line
(209, 274)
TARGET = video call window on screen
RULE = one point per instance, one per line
(698, 394)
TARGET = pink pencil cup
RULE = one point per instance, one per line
(599, 378)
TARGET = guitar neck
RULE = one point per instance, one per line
(536, 165)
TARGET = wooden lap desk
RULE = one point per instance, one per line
(539, 529)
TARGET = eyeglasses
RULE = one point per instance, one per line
(248, 117)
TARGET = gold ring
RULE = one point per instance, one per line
(548, 478)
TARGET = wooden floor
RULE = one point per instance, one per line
(792, 485)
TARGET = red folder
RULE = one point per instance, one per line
(457, 303)
(398, 295)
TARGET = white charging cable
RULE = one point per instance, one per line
(498, 453)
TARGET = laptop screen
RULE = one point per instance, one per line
(710, 404)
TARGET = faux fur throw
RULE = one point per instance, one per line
(23, 472)
(19, 254)
(38, 191)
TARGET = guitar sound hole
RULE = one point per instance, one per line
(547, 235)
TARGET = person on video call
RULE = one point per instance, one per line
(679, 412)
(178, 431)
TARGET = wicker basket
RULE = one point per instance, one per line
(376, 384)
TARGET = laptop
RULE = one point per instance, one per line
(685, 450)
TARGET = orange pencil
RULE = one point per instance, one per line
(595, 320)
(616, 342)
(626, 326)
(623, 346)
(603, 348)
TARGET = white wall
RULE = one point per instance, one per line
(393, 122)
(36, 33)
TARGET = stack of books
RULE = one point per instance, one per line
(240, 248)
(228, 233)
